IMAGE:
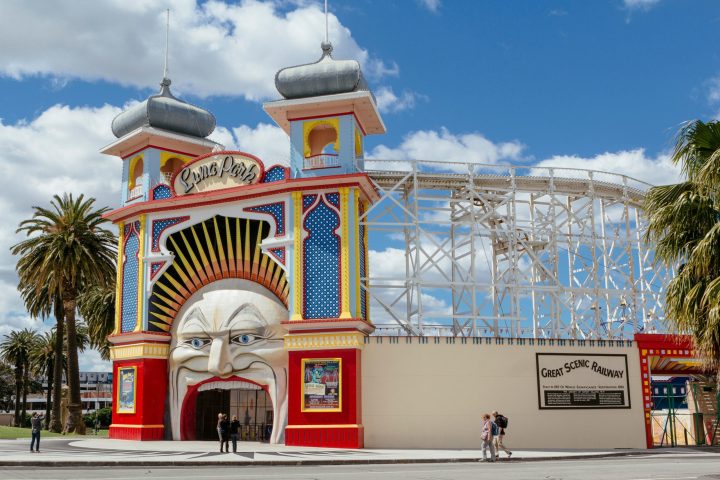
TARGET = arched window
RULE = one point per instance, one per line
(322, 143)
(169, 168)
(135, 173)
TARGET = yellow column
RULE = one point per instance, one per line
(141, 276)
(297, 264)
(357, 245)
(119, 277)
(364, 246)
(344, 255)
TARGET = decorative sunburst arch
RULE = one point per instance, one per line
(218, 248)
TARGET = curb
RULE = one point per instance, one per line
(296, 463)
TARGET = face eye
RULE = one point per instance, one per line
(245, 339)
(196, 342)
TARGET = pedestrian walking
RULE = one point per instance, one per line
(487, 438)
(502, 423)
(36, 424)
(222, 428)
(234, 428)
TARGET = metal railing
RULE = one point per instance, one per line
(324, 160)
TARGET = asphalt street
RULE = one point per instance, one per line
(650, 467)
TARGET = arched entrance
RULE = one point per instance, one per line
(250, 403)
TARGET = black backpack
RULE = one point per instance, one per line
(501, 421)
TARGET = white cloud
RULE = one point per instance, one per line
(432, 5)
(640, 4)
(389, 102)
(216, 48)
(443, 146)
(268, 142)
(632, 163)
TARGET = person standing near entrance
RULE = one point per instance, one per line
(487, 438)
(36, 424)
(502, 422)
(222, 428)
(234, 428)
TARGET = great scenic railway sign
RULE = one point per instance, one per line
(218, 171)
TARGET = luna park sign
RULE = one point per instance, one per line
(218, 171)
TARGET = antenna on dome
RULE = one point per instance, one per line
(327, 40)
(167, 44)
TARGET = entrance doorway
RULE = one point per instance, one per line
(252, 406)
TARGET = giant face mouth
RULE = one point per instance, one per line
(188, 384)
(228, 332)
(189, 404)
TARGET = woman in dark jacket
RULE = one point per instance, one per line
(234, 428)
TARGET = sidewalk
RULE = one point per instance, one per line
(108, 452)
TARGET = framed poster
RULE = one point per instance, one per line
(321, 385)
(582, 381)
(127, 389)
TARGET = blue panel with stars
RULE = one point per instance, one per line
(308, 200)
(363, 274)
(322, 263)
(275, 174)
(130, 284)
(277, 210)
(334, 199)
(161, 191)
(158, 226)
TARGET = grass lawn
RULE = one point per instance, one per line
(15, 432)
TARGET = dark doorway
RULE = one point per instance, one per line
(209, 404)
(253, 408)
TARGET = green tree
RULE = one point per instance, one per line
(97, 307)
(40, 304)
(66, 251)
(684, 225)
(43, 361)
(7, 386)
(16, 348)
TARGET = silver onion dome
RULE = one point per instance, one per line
(166, 112)
(327, 76)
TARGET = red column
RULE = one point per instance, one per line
(339, 429)
(140, 382)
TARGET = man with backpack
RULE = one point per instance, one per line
(502, 423)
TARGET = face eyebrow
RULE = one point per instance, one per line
(246, 312)
(195, 318)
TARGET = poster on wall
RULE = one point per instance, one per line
(577, 381)
(127, 386)
(321, 384)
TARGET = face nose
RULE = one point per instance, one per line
(219, 363)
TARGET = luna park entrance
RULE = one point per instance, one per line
(252, 407)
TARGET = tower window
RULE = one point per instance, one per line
(135, 173)
(169, 168)
(320, 137)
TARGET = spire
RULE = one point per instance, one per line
(327, 36)
(167, 49)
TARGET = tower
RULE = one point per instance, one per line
(156, 138)
(327, 111)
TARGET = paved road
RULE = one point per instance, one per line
(651, 467)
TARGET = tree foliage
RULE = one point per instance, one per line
(684, 225)
(67, 251)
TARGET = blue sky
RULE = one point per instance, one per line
(588, 84)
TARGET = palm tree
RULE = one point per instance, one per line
(40, 304)
(684, 224)
(66, 251)
(16, 349)
(97, 307)
(43, 361)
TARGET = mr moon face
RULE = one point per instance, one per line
(228, 329)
